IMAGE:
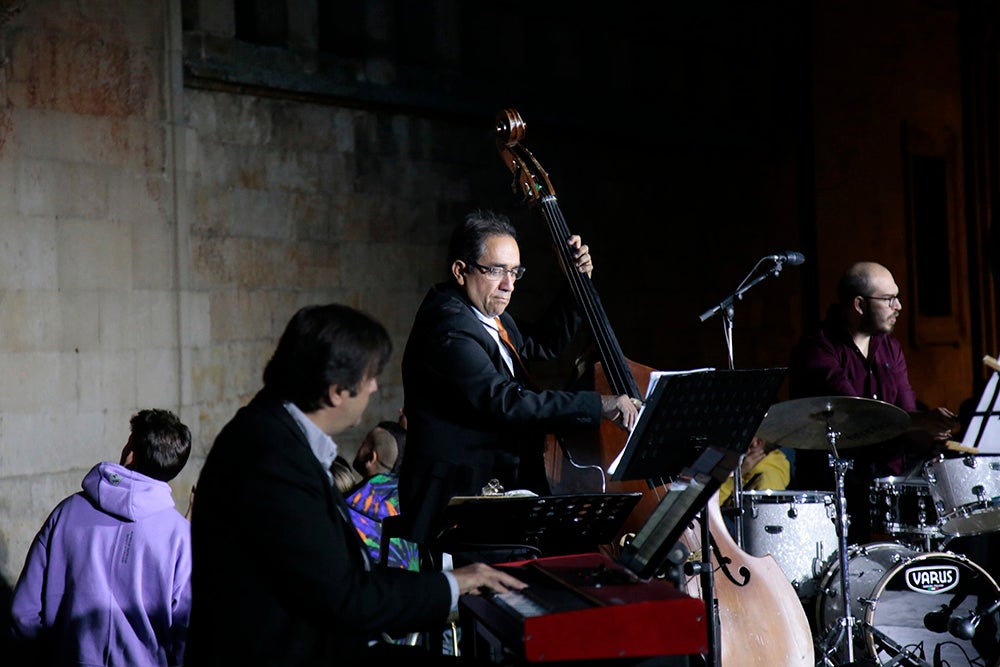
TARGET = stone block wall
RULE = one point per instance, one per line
(117, 292)
(89, 302)
(155, 239)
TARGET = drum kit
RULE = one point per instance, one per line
(910, 602)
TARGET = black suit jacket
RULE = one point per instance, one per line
(279, 575)
(468, 419)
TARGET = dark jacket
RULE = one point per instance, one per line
(279, 576)
(468, 419)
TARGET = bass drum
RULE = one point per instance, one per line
(893, 588)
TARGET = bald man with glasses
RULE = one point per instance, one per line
(853, 353)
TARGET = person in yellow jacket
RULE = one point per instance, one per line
(763, 467)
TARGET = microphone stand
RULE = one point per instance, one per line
(704, 568)
(726, 305)
(727, 309)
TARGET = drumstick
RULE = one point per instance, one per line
(959, 447)
(991, 362)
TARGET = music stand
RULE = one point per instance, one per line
(983, 431)
(549, 525)
(693, 429)
(685, 411)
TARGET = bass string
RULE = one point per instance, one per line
(619, 376)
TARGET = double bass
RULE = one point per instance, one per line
(761, 622)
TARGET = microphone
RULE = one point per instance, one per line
(726, 306)
(790, 257)
(965, 628)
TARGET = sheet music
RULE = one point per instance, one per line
(653, 379)
(983, 432)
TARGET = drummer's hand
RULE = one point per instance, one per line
(940, 423)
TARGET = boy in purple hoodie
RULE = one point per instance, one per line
(107, 577)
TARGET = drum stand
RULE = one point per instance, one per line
(844, 629)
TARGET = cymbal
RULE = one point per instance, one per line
(803, 423)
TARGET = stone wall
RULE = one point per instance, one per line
(95, 322)
(156, 240)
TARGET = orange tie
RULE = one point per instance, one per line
(518, 362)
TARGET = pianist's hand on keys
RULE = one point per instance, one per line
(479, 578)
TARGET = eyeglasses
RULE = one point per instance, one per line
(890, 301)
(498, 272)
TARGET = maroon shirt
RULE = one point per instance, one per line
(828, 363)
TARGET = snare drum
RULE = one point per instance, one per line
(966, 493)
(798, 528)
(902, 507)
(893, 589)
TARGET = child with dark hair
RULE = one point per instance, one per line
(378, 460)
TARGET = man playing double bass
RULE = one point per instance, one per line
(473, 413)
